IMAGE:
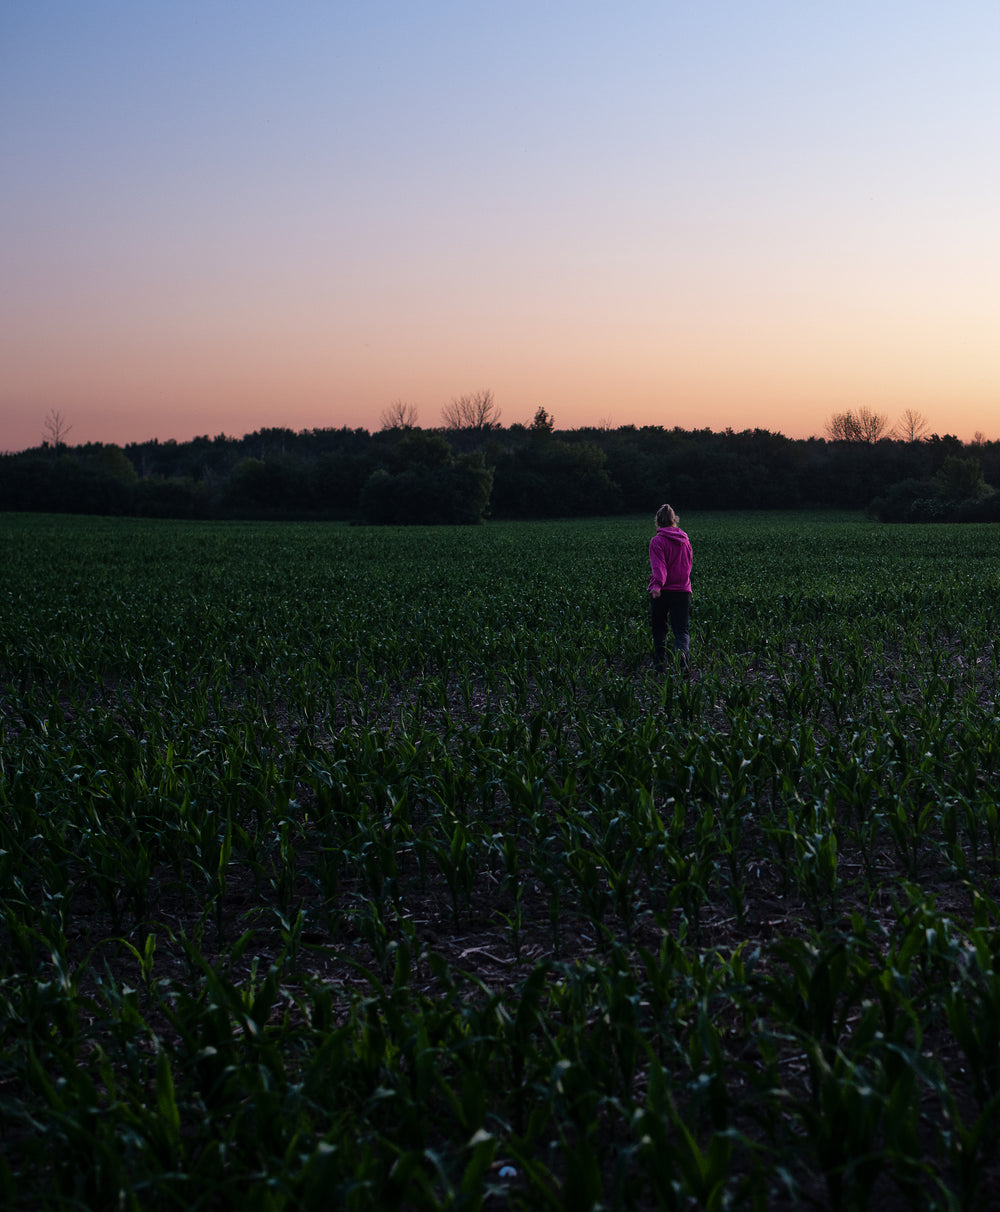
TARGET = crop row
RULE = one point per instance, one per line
(360, 868)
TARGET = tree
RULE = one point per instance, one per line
(399, 415)
(476, 414)
(111, 460)
(554, 478)
(425, 450)
(56, 429)
(457, 492)
(961, 480)
(857, 425)
(872, 425)
(841, 427)
(543, 424)
(911, 426)
(272, 483)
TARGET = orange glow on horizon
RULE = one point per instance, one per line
(681, 215)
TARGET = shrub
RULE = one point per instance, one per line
(171, 497)
(899, 500)
(423, 495)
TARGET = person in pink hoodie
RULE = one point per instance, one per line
(670, 562)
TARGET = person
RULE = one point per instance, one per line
(670, 561)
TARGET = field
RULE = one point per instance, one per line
(373, 868)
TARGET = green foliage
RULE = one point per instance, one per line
(537, 471)
(418, 449)
(160, 497)
(272, 483)
(312, 903)
(957, 493)
(337, 479)
(428, 493)
(900, 502)
(982, 509)
(543, 424)
(553, 478)
(961, 480)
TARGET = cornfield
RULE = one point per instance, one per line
(372, 868)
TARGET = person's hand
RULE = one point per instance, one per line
(654, 592)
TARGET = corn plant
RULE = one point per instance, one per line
(307, 904)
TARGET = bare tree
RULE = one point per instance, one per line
(979, 438)
(873, 426)
(56, 429)
(399, 415)
(857, 425)
(478, 413)
(842, 427)
(911, 426)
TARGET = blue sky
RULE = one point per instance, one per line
(223, 216)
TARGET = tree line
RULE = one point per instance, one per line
(473, 467)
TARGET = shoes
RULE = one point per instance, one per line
(661, 663)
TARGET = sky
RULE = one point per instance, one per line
(219, 217)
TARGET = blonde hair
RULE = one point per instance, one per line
(665, 516)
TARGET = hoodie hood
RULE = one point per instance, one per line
(672, 533)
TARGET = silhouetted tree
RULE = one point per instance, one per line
(56, 429)
(857, 425)
(554, 478)
(424, 450)
(543, 424)
(274, 483)
(476, 414)
(961, 480)
(911, 426)
(456, 492)
(399, 415)
(160, 497)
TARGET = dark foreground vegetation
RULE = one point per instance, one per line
(372, 869)
(405, 475)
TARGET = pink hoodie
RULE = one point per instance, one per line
(670, 560)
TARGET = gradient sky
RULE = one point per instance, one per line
(216, 216)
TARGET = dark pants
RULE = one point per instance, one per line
(671, 609)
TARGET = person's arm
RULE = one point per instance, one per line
(657, 569)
